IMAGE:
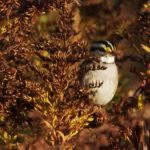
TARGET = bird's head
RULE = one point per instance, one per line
(104, 50)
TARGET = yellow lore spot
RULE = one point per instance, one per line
(108, 49)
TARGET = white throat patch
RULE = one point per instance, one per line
(107, 59)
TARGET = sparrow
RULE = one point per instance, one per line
(100, 77)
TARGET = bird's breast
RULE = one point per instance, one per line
(102, 84)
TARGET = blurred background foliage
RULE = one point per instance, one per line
(42, 44)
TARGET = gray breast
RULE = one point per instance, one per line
(103, 94)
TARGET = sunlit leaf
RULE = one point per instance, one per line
(140, 101)
(6, 135)
(146, 48)
(90, 119)
(62, 136)
(147, 5)
(3, 30)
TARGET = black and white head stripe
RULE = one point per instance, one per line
(110, 45)
(101, 45)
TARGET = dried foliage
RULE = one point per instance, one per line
(42, 44)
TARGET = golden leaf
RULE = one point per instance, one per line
(90, 119)
(140, 101)
(47, 124)
(6, 135)
(147, 5)
(146, 48)
(3, 30)
(62, 136)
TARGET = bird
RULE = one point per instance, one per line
(100, 77)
